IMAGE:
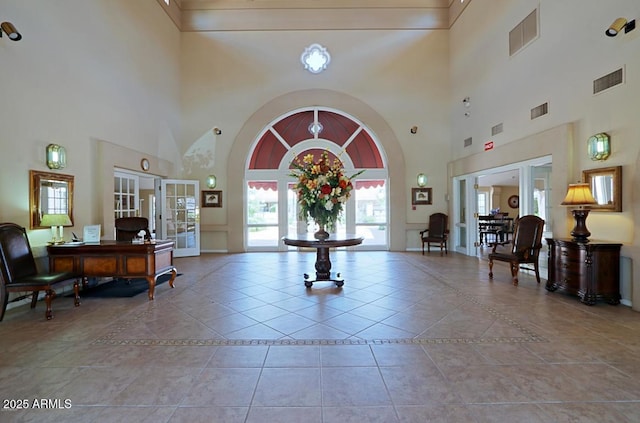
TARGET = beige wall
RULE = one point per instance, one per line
(240, 82)
(85, 71)
(558, 68)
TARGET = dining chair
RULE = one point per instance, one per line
(524, 247)
(436, 233)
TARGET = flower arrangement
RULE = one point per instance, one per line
(322, 188)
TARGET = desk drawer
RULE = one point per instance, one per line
(135, 265)
(99, 266)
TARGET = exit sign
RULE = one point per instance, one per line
(488, 145)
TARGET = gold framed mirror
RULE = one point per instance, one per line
(50, 193)
(606, 187)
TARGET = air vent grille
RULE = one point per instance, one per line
(525, 32)
(468, 142)
(496, 129)
(540, 110)
(608, 81)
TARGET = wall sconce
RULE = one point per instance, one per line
(211, 181)
(57, 222)
(217, 131)
(414, 129)
(599, 147)
(10, 30)
(56, 156)
(422, 180)
(579, 195)
(618, 25)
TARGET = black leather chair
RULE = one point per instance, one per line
(20, 274)
(436, 233)
(524, 247)
(127, 228)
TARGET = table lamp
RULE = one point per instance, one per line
(57, 223)
(579, 195)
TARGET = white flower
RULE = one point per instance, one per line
(328, 205)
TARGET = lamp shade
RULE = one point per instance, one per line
(55, 220)
(578, 195)
(599, 147)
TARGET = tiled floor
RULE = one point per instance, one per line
(409, 338)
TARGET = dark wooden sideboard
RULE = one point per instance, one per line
(589, 270)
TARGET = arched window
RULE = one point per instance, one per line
(271, 206)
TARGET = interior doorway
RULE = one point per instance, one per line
(512, 190)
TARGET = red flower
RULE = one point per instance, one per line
(326, 189)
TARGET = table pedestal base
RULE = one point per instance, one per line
(323, 269)
(332, 277)
(322, 246)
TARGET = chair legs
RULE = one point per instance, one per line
(34, 298)
(4, 299)
(443, 247)
(76, 291)
(537, 271)
(51, 294)
(515, 268)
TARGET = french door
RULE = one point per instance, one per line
(178, 215)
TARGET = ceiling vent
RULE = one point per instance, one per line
(467, 142)
(608, 81)
(496, 129)
(525, 32)
(540, 110)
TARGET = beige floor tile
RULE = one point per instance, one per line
(292, 387)
(409, 338)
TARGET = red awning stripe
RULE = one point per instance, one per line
(273, 185)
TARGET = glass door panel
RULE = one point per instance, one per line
(179, 215)
(371, 220)
(262, 214)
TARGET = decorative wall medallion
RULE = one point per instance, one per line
(315, 58)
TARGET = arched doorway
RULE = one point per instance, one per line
(270, 203)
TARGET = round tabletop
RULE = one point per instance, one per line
(334, 240)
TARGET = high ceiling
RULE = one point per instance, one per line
(300, 15)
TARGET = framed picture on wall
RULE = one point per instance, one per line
(211, 198)
(420, 196)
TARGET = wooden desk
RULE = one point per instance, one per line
(323, 263)
(116, 258)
